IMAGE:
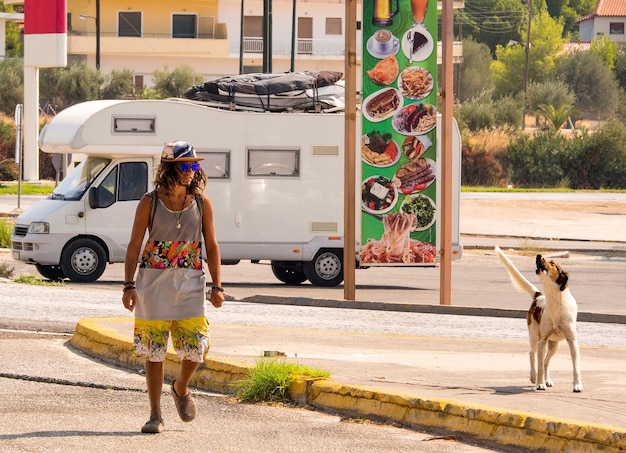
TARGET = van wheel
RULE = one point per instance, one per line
(51, 272)
(326, 269)
(83, 261)
(287, 274)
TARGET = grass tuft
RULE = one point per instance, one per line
(32, 280)
(270, 379)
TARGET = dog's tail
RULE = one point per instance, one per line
(519, 281)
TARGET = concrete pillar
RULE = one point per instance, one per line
(31, 123)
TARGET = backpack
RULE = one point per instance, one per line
(153, 205)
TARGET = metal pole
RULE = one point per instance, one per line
(241, 40)
(18, 150)
(98, 35)
(349, 191)
(293, 37)
(447, 93)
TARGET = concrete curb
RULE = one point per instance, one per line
(492, 425)
(421, 308)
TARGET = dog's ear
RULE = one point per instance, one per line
(562, 280)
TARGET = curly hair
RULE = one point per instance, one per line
(168, 176)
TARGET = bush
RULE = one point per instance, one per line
(476, 115)
(537, 161)
(479, 167)
(599, 160)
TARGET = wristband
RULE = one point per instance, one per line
(217, 288)
(128, 288)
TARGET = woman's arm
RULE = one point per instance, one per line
(213, 250)
(140, 224)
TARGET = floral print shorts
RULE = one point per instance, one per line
(190, 338)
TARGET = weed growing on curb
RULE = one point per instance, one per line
(32, 280)
(270, 379)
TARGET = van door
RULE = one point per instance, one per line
(110, 207)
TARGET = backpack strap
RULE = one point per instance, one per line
(198, 198)
(154, 200)
(153, 206)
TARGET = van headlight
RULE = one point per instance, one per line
(39, 228)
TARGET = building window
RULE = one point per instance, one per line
(129, 24)
(184, 26)
(138, 81)
(333, 25)
(253, 34)
(616, 28)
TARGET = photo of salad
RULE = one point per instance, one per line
(378, 195)
(422, 207)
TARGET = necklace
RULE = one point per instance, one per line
(177, 214)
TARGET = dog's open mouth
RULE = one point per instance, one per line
(540, 264)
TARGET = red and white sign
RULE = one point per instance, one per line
(45, 33)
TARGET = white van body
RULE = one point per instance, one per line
(275, 180)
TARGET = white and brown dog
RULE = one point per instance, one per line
(551, 318)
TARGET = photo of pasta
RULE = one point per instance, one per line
(396, 246)
(415, 83)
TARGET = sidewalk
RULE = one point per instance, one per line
(465, 387)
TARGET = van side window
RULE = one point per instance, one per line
(216, 164)
(273, 162)
(106, 190)
(133, 181)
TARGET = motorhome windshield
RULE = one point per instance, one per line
(80, 179)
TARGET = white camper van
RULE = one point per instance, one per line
(275, 179)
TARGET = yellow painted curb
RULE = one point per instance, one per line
(500, 426)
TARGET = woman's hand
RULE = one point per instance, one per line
(216, 298)
(129, 299)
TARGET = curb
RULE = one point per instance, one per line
(420, 308)
(491, 425)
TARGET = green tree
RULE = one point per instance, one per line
(173, 84)
(508, 68)
(118, 84)
(604, 46)
(474, 72)
(12, 77)
(592, 82)
(553, 100)
(78, 83)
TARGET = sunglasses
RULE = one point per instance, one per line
(186, 166)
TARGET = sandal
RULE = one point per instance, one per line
(185, 405)
(154, 425)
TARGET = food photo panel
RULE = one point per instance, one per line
(398, 142)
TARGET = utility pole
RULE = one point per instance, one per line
(526, 62)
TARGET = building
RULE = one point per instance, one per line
(608, 18)
(143, 35)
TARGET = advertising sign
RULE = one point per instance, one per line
(399, 117)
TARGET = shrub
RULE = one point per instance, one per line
(537, 161)
(479, 167)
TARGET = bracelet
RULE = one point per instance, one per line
(217, 288)
(131, 283)
(128, 288)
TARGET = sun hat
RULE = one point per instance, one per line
(179, 151)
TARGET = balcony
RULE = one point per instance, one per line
(147, 45)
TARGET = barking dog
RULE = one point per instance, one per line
(551, 318)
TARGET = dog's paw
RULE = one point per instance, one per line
(549, 383)
(578, 388)
(541, 387)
